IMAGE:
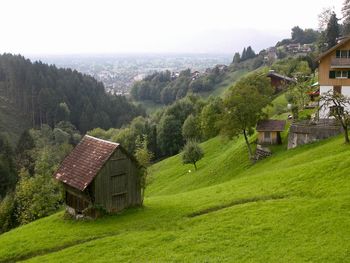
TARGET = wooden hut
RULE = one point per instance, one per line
(278, 81)
(99, 173)
(269, 131)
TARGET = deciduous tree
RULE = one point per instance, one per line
(339, 105)
(244, 106)
(191, 128)
(192, 153)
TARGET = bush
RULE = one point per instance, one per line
(36, 197)
(7, 213)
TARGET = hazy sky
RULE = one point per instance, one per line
(104, 26)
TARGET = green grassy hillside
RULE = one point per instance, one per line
(291, 207)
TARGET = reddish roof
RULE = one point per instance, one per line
(81, 166)
(270, 125)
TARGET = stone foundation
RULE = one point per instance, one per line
(307, 131)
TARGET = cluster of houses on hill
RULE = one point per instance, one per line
(334, 77)
(295, 49)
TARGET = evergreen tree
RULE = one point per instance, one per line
(332, 31)
(244, 55)
(236, 58)
(8, 175)
(250, 53)
(24, 154)
(346, 17)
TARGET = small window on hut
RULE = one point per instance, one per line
(267, 135)
(332, 74)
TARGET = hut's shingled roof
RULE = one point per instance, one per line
(270, 125)
(81, 166)
(273, 74)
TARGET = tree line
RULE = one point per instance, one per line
(166, 87)
(48, 95)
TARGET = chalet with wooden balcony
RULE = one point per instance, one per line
(334, 71)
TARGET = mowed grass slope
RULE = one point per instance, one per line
(292, 207)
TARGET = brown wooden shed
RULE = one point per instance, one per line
(99, 173)
(269, 131)
(278, 81)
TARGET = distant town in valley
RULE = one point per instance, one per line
(118, 71)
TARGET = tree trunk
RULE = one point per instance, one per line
(345, 127)
(195, 166)
(248, 145)
(346, 135)
(142, 195)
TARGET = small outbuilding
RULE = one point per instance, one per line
(278, 81)
(99, 173)
(269, 131)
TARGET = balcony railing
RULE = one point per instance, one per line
(340, 63)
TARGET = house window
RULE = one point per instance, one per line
(337, 89)
(342, 54)
(339, 74)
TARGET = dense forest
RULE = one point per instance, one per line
(48, 95)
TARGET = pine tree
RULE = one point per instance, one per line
(23, 151)
(244, 55)
(346, 17)
(332, 31)
(236, 58)
(250, 53)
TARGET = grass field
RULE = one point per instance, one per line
(291, 207)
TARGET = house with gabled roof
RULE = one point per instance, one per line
(334, 72)
(279, 81)
(99, 173)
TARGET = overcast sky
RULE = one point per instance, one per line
(106, 26)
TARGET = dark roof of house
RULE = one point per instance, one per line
(85, 161)
(270, 125)
(341, 43)
(279, 76)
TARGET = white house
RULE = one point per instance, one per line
(334, 72)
